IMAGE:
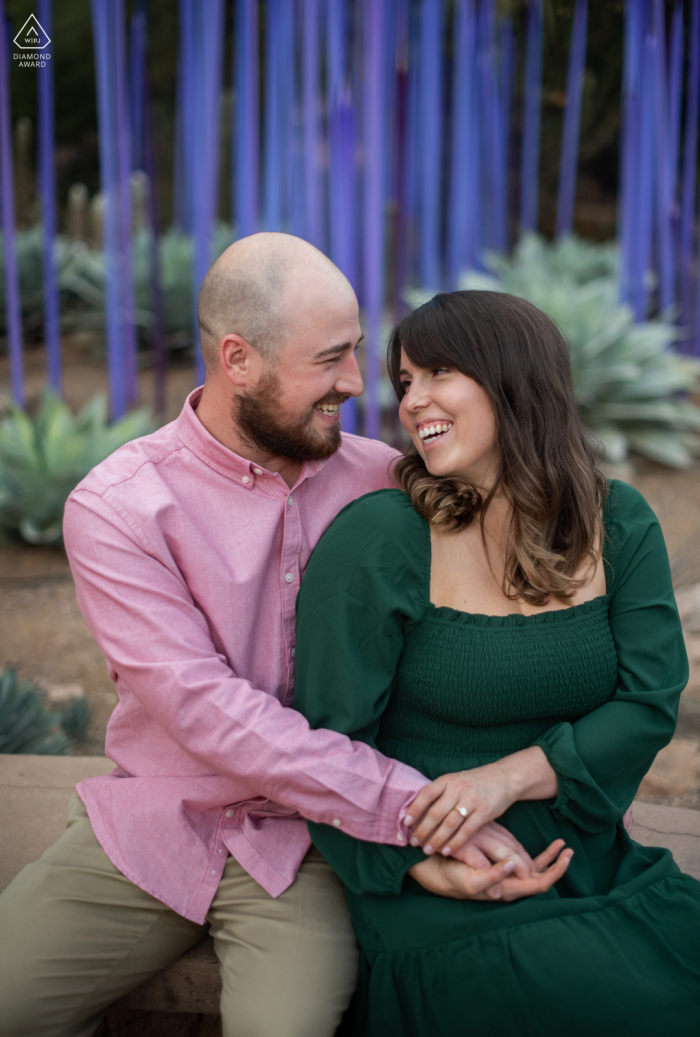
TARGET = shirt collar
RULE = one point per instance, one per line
(230, 464)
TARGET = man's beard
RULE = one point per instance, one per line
(255, 415)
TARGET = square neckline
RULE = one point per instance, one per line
(515, 618)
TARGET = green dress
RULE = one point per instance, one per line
(614, 948)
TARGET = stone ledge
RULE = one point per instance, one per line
(34, 794)
(674, 827)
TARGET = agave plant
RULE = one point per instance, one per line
(26, 725)
(43, 457)
(87, 276)
(630, 383)
(75, 718)
(29, 247)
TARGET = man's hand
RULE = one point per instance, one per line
(493, 844)
(450, 878)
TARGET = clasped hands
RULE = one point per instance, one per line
(470, 856)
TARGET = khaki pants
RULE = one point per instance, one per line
(76, 934)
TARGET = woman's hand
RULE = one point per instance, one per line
(448, 811)
(450, 878)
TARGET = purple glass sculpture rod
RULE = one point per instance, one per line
(273, 108)
(493, 174)
(690, 151)
(530, 163)
(102, 20)
(664, 174)
(349, 239)
(47, 191)
(342, 147)
(430, 136)
(245, 158)
(399, 68)
(335, 89)
(151, 166)
(296, 165)
(646, 163)
(628, 222)
(13, 314)
(207, 64)
(572, 120)
(180, 216)
(310, 121)
(193, 145)
(216, 11)
(373, 215)
(137, 59)
(508, 66)
(118, 41)
(675, 98)
(462, 195)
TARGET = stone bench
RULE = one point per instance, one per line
(183, 1000)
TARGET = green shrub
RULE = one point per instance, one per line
(29, 248)
(76, 717)
(86, 280)
(630, 383)
(26, 725)
(43, 458)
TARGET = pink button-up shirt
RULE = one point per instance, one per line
(187, 560)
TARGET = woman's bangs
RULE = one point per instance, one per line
(422, 339)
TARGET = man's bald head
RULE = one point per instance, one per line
(251, 288)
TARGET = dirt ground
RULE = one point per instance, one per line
(43, 633)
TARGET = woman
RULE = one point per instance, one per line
(509, 617)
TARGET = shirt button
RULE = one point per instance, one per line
(294, 652)
(257, 471)
(221, 851)
(290, 501)
(229, 813)
(245, 478)
(337, 822)
(289, 577)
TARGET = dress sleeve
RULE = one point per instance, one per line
(366, 579)
(601, 759)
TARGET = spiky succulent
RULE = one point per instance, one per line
(29, 250)
(87, 278)
(26, 725)
(43, 458)
(630, 383)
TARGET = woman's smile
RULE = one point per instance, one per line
(432, 431)
(449, 417)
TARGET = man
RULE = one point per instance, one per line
(187, 548)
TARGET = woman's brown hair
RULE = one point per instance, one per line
(547, 465)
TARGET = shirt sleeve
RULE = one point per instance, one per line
(601, 759)
(366, 579)
(159, 645)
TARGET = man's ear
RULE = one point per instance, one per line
(240, 362)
